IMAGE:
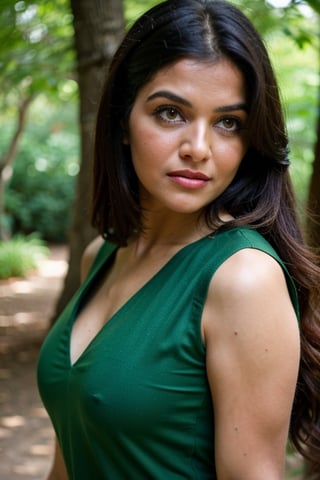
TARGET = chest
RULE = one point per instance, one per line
(121, 282)
(147, 358)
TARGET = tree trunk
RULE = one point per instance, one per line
(7, 159)
(313, 223)
(99, 27)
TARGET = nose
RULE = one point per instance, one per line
(196, 143)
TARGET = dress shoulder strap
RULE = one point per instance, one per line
(103, 254)
(231, 241)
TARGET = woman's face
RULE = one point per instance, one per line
(187, 134)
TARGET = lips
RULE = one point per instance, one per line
(189, 178)
(189, 174)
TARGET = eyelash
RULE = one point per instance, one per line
(163, 109)
(238, 124)
(159, 111)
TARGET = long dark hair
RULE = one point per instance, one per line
(260, 196)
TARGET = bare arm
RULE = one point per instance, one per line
(252, 340)
(58, 470)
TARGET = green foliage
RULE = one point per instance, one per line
(134, 8)
(41, 190)
(295, 465)
(315, 5)
(292, 38)
(300, 23)
(20, 255)
(298, 76)
(36, 46)
(40, 204)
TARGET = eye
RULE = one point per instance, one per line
(230, 124)
(168, 114)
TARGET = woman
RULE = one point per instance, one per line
(180, 355)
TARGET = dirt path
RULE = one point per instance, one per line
(26, 305)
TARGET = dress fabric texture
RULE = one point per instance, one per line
(136, 404)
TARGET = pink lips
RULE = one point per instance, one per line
(189, 178)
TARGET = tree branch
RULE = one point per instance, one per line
(7, 159)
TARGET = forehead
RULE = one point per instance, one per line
(190, 76)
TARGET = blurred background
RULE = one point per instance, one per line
(53, 60)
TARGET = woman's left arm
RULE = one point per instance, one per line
(253, 348)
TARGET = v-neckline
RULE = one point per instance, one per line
(88, 286)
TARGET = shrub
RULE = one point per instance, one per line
(20, 255)
(40, 203)
(39, 195)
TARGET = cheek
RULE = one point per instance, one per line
(142, 138)
(141, 151)
(149, 148)
(144, 154)
(230, 156)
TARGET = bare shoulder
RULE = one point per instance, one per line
(249, 289)
(89, 255)
(248, 268)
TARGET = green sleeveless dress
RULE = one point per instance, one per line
(136, 404)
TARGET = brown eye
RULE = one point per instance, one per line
(171, 113)
(168, 114)
(229, 123)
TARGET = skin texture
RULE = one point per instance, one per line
(177, 124)
(252, 341)
(187, 137)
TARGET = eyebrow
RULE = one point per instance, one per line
(176, 98)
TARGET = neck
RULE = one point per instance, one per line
(174, 231)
